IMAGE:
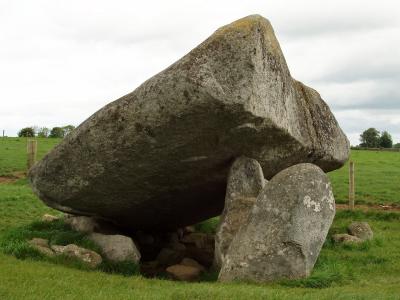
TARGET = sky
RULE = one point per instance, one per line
(60, 61)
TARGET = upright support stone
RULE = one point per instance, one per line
(286, 229)
(245, 181)
(31, 150)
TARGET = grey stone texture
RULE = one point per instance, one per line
(158, 158)
(245, 182)
(286, 228)
(116, 247)
(362, 230)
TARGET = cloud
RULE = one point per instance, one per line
(63, 60)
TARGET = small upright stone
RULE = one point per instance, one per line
(286, 228)
(362, 230)
(245, 182)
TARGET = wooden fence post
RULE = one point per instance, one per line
(351, 185)
(31, 151)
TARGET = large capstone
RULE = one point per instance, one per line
(158, 158)
(286, 228)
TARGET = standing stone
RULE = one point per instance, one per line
(286, 228)
(116, 247)
(158, 158)
(245, 182)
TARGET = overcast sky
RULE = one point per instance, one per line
(60, 61)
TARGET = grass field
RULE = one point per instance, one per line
(367, 271)
(13, 153)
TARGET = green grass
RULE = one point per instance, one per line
(13, 153)
(377, 178)
(370, 270)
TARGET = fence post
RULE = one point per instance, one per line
(351, 185)
(31, 151)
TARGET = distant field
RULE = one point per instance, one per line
(13, 153)
(377, 178)
(377, 173)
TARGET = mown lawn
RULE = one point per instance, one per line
(367, 271)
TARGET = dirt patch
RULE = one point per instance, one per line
(12, 177)
(365, 207)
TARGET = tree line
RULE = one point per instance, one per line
(44, 132)
(372, 138)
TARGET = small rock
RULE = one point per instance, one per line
(199, 239)
(203, 256)
(171, 255)
(151, 268)
(345, 238)
(87, 256)
(39, 242)
(362, 230)
(183, 273)
(116, 247)
(82, 223)
(192, 263)
(49, 218)
(42, 245)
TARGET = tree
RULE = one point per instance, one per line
(370, 138)
(67, 129)
(57, 132)
(26, 132)
(385, 141)
(43, 132)
(396, 145)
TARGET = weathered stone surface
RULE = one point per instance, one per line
(116, 247)
(199, 239)
(87, 256)
(286, 228)
(183, 273)
(192, 263)
(41, 245)
(362, 230)
(49, 218)
(345, 238)
(245, 181)
(171, 255)
(82, 223)
(158, 158)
